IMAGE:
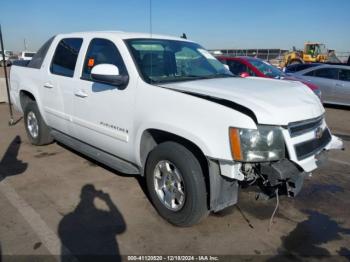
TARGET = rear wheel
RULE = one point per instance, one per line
(176, 184)
(37, 130)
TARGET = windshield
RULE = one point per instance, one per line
(267, 69)
(321, 49)
(161, 61)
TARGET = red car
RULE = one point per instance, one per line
(249, 66)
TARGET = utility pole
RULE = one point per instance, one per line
(11, 122)
(25, 45)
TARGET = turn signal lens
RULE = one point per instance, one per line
(235, 143)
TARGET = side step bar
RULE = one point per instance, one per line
(96, 154)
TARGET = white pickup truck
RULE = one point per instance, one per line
(166, 109)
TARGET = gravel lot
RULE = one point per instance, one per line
(54, 201)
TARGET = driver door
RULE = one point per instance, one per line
(102, 113)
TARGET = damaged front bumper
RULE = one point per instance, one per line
(285, 176)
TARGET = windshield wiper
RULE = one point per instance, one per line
(190, 78)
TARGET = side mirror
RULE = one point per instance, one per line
(244, 74)
(109, 74)
(227, 67)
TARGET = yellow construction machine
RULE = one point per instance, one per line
(312, 53)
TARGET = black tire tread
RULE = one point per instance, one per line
(195, 208)
(44, 136)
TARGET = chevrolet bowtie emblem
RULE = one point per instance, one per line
(318, 133)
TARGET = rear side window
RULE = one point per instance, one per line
(330, 73)
(102, 51)
(39, 57)
(65, 57)
(344, 75)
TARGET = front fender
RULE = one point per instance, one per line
(172, 129)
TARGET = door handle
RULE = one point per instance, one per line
(48, 85)
(81, 94)
(339, 85)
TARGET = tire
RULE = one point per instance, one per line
(32, 115)
(179, 160)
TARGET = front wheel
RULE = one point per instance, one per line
(176, 184)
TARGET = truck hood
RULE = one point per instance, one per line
(274, 102)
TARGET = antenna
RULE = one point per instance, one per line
(150, 17)
(25, 44)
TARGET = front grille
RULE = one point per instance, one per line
(299, 128)
(310, 147)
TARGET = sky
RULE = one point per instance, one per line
(214, 24)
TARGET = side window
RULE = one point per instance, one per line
(237, 67)
(344, 75)
(65, 57)
(330, 73)
(311, 73)
(102, 51)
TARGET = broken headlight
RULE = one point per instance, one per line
(265, 143)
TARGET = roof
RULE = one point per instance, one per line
(345, 66)
(121, 34)
(245, 58)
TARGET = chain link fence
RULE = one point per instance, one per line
(273, 56)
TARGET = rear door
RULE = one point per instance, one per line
(58, 83)
(325, 78)
(342, 87)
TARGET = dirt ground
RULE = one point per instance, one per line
(54, 201)
(2, 73)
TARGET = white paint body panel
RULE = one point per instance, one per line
(114, 120)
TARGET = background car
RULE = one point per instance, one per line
(333, 80)
(298, 67)
(249, 66)
(25, 55)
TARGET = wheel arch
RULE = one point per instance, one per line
(25, 97)
(152, 137)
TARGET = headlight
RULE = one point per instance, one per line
(257, 145)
